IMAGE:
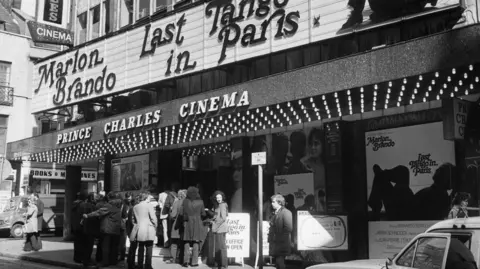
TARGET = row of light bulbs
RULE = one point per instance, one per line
(278, 115)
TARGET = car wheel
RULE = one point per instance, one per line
(17, 230)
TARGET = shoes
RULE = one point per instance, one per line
(185, 265)
(194, 265)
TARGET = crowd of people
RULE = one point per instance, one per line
(114, 219)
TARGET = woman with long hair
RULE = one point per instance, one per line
(220, 228)
(194, 232)
(459, 206)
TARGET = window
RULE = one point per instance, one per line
(5, 70)
(126, 13)
(95, 15)
(430, 253)
(163, 5)
(82, 28)
(425, 253)
(143, 9)
(110, 15)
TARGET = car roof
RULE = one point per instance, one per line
(461, 223)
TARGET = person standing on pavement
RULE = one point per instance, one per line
(177, 226)
(110, 216)
(127, 205)
(91, 230)
(76, 227)
(144, 230)
(40, 208)
(220, 229)
(193, 211)
(100, 202)
(132, 250)
(279, 235)
(30, 225)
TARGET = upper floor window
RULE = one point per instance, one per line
(95, 16)
(5, 70)
(143, 8)
(81, 28)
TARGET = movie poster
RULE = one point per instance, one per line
(130, 173)
(411, 179)
(410, 173)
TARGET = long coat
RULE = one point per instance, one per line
(110, 218)
(279, 236)
(176, 216)
(145, 223)
(40, 208)
(32, 222)
(193, 211)
(219, 224)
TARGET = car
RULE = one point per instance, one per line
(437, 248)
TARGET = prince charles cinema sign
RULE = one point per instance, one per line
(209, 35)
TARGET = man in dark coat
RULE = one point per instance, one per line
(90, 230)
(279, 235)
(194, 232)
(76, 227)
(110, 216)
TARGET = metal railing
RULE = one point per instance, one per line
(6, 95)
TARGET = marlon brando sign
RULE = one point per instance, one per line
(206, 36)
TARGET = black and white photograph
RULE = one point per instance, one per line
(240, 134)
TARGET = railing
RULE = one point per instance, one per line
(6, 95)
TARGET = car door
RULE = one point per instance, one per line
(426, 251)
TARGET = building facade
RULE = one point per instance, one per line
(354, 113)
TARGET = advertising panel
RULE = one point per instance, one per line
(321, 232)
(238, 235)
(53, 12)
(130, 173)
(411, 181)
(203, 37)
(387, 238)
(46, 173)
(298, 185)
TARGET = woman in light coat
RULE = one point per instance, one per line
(220, 229)
(31, 226)
(144, 230)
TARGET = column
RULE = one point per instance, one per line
(107, 173)
(242, 193)
(72, 187)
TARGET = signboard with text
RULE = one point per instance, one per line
(326, 232)
(53, 12)
(238, 236)
(44, 33)
(386, 238)
(203, 37)
(46, 173)
(455, 112)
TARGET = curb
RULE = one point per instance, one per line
(42, 261)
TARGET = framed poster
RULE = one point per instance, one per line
(130, 173)
(326, 232)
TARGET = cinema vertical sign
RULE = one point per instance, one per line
(43, 33)
(53, 12)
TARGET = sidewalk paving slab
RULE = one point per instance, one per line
(56, 252)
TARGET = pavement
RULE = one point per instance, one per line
(56, 252)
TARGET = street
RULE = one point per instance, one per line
(8, 263)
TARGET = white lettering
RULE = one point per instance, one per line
(132, 122)
(183, 112)
(229, 101)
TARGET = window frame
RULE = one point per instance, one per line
(415, 241)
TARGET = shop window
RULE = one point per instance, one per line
(81, 28)
(111, 15)
(195, 84)
(126, 13)
(5, 71)
(294, 59)
(183, 87)
(163, 5)
(311, 54)
(262, 67)
(95, 15)
(143, 9)
(278, 63)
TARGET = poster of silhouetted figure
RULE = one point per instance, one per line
(382, 10)
(410, 173)
(391, 190)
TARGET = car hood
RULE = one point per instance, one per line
(5, 215)
(357, 264)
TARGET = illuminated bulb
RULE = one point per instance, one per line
(389, 84)
(388, 90)
(452, 95)
(454, 71)
(436, 74)
(466, 92)
(420, 78)
(374, 93)
(465, 75)
(348, 92)
(323, 97)
(470, 67)
(460, 83)
(361, 89)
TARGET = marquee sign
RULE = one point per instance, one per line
(206, 36)
(214, 104)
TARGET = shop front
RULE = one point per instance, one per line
(356, 145)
